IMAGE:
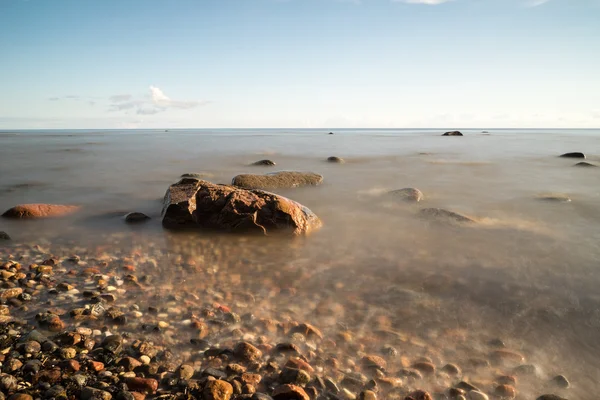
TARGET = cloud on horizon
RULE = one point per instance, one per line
(156, 102)
(535, 3)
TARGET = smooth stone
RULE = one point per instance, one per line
(275, 180)
(23, 211)
(20, 396)
(420, 395)
(477, 395)
(205, 205)
(334, 159)
(4, 236)
(453, 133)
(89, 393)
(290, 392)
(331, 133)
(505, 392)
(134, 217)
(584, 164)
(573, 155)
(550, 397)
(451, 369)
(407, 194)
(561, 381)
(247, 352)
(217, 390)
(441, 215)
(267, 163)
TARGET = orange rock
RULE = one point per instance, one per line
(142, 385)
(40, 211)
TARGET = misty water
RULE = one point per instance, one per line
(526, 272)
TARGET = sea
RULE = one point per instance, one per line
(526, 272)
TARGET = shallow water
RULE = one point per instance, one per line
(527, 271)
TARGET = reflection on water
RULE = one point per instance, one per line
(526, 272)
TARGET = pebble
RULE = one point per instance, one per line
(372, 361)
(247, 352)
(550, 397)
(89, 393)
(505, 392)
(142, 385)
(426, 368)
(477, 395)
(20, 396)
(561, 381)
(289, 392)
(217, 390)
(420, 395)
(451, 369)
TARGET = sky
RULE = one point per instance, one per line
(299, 64)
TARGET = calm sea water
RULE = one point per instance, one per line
(528, 271)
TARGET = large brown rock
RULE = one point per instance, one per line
(40, 211)
(193, 203)
(281, 179)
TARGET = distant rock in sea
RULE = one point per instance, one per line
(136, 217)
(407, 194)
(584, 164)
(331, 133)
(556, 198)
(282, 179)
(334, 159)
(4, 236)
(264, 163)
(453, 133)
(200, 204)
(24, 211)
(441, 215)
(197, 175)
(573, 155)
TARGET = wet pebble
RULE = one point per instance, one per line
(561, 381)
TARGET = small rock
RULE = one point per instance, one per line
(39, 211)
(185, 372)
(8, 383)
(477, 395)
(550, 397)
(505, 392)
(20, 396)
(289, 392)
(526, 369)
(424, 367)
(466, 386)
(217, 390)
(370, 362)
(4, 236)
(334, 159)
(267, 163)
(307, 331)
(584, 164)
(142, 385)
(90, 393)
(453, 133)
(282, 179)
(573, 155)
(441, 215)
(113, 343)
(561, 381)
(420, 395)
(507, 356)
(247, 352)
(294, 376)
(407, 194)
(507, 380)
(367, 395)
(135, 217)
(451, 369)
(6, 294)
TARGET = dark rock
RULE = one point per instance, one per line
(561, 381)
(573, 155)
(331, 133)
(40, 211)
(526, 369)
(267, 163)
(8, 383)
(289, 392)
(113, 343)
(584, 164)
(550, 397)
(4, 236)
(136, 217)
(466, 386)
(453, 133)
(215, 373)
(202, 204)
(90, 393)
(558, 198)
(274, 180)
(334, 159)
(294, 376)
(505, 392)
(407, 194)
(441, 215)
(420, 395)
(142, 385)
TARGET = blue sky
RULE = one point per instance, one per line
(299, 63)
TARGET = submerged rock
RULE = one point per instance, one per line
(573, 155)
(550, 397)
(584, 164)
(407, 194)
(561, 381)
(334, 159)
(441, 215)
(40, 211)
(4, 236)
(453, 133)
(135, 217)
(264, 162)
(201, 204)
(197, 175)
(282, 179)
(555, 198)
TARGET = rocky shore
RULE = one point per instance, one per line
(102, 325)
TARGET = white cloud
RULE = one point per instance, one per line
(157, 101)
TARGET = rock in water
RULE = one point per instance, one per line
(282, 179)
(194, 203)
(453, 133)
(584, 164)
(441, 215)
(550, 397)
(334, 159)
(39, 211)
(573, 155)
(4, 236)
(331, 133)
(135, 217)
(264, 162)
(555, 198)
(407, 194)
